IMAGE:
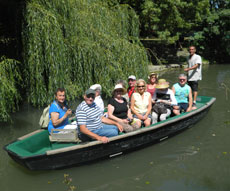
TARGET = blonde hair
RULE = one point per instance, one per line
(140, 81)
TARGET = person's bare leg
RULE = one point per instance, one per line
(147, 122)
(194, 99)
(176, 110)
(195, 96)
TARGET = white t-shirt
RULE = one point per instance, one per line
(98, 100)
(194, 75)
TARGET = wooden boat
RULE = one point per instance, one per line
(36, 152)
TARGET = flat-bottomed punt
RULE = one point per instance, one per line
(36, 152)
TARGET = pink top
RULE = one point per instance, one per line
(151, 91)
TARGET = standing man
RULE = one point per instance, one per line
(131, 88)
(91, 123)
(194, 71)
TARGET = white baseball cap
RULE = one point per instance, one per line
(132, 77)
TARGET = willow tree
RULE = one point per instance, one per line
(76, 43)
(10, 79)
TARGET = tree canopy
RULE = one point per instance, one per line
(169, 19)
(204, 23)
(74, 44)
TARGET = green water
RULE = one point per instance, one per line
(196, 160)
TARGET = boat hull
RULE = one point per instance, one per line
(76, 155)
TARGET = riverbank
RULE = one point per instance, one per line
(160, 68)
(182, 63)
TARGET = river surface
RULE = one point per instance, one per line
(198, 159)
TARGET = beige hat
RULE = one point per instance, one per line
(162, 84)
(96, 87)
(152, 73)
(119, 86)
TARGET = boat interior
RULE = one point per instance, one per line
(39, 143)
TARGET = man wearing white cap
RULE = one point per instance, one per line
(132, 83)
(98, 100)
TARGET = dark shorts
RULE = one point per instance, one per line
(193, 85)
(183, 106)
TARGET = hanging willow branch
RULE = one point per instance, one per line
(76, 43)
(10, 78)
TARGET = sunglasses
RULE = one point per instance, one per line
(182, 80)
(131, 80)
(140, 86)
(119, 91)
(90, 96)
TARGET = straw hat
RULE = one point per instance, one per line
(152, 73)
(162, 84)
(119, 86)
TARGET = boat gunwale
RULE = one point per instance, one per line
(111, 139)
(133, 133)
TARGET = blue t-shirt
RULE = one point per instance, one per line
(181, 93)
(56, 108)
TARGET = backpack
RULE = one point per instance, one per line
(44, 119)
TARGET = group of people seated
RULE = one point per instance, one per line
(129, 109)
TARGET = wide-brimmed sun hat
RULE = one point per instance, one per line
(119, 87)
(151, 74)
(162, 84)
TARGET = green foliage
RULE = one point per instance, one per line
(214, 37)
(219, 4)
(76, 43)
(68, 182)
(10, 78)
(169, 20)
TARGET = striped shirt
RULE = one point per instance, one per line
(89, 115)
